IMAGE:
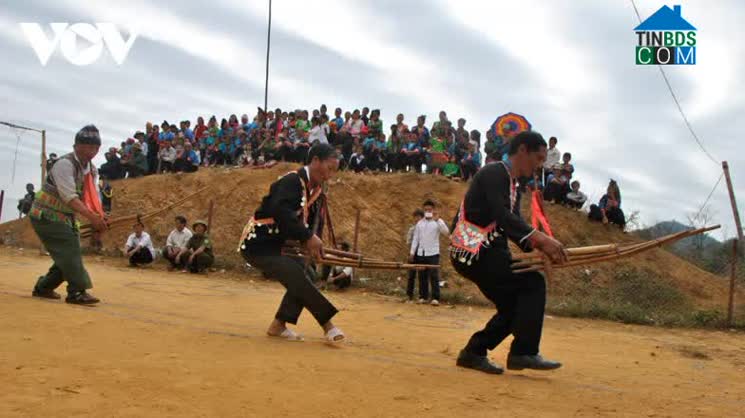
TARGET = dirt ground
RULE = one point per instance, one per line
(169, 344)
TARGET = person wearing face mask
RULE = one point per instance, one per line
(287, 213)
(425, 249)
(487, 218)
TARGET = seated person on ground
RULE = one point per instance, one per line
(608, 210)
(199, 250)
(341, 277)
(139, 247)
(557, 183)
(575, 198)
(175, 249)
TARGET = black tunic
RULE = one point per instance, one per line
(488, 200)
(283, 204)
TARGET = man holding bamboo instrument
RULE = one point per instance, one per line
(69, 188)
(287, 213)
(487, 218)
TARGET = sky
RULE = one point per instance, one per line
(568, 66)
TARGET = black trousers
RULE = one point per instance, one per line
(410, 284)
(429, 277)
(520, 300)
(301, 292)
(142, 256)
(172, 260)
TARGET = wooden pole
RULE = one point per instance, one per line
(733, 273)
(2, 198)
(209, 215)
(43, 157)
(732, 200)
(356, 231)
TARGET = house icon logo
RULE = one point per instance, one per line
(665, 38)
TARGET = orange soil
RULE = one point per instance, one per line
(166, 344)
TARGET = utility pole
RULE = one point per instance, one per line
(43, 133)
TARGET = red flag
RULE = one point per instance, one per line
(91, 200)
(538, 215)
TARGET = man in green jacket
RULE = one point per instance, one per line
(53, 219)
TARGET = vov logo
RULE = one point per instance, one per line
(66, 36)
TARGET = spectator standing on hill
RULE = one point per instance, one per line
(24, 205)
(425, 249)
(51, 160)
(461, 131)
(553, 157)
(107, 195)
(364, 117)
(374, 124)
(354, 126)
(491, 148)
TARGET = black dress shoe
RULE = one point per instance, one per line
(535, 362)
(45, 293)
(81, 298)
(480, 363)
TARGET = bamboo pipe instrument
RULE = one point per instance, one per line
(597, 254)
(87, 230)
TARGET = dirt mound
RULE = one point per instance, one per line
(386, 202)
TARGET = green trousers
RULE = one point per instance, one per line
(63, 244)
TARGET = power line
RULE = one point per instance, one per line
(677, 102)
(695, 218)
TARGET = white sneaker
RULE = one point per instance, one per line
(435, 302)
(422, 301)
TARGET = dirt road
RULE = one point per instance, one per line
(168, 344)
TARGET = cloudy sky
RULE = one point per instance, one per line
(567, 65)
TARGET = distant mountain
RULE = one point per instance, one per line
(705, 241)
(704, 251)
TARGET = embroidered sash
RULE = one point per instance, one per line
(468, 238)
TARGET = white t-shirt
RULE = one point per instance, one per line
(553, 157)
(426, 240)
(317, 134)
(143, 241)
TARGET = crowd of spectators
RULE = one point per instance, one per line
(361, 139)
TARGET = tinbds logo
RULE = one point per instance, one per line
(665, 38)
(67, 38)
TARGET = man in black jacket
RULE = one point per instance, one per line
(287, 213)
(487, 219)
